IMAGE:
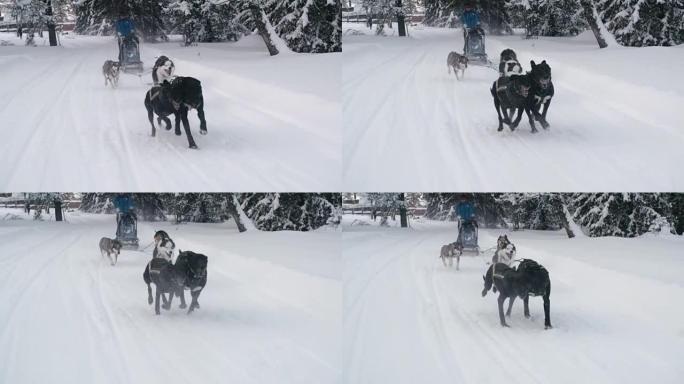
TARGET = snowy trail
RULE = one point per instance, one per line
(408, 319)
(261, 321)
(63, 130)
(405, 115)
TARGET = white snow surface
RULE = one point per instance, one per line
(409, 125)
(274, 123)
(270, 312)
(615, 309)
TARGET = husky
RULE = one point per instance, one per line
(163, 69)
(451, 251)
(457, 62)
(505, 251)
(110, 247)
(111, 70)
(163, 246)
(529, 279)
(509, 64)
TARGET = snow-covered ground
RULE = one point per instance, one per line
(615, 119)
(615, 307)
(270, 313)
(274, 122)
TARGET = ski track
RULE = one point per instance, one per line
(86, 321)
(405, 115)
(63, 130)
(408, 317)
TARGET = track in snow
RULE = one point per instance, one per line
(405, 115)
(63, 130)
(408, 319)
(67, 316)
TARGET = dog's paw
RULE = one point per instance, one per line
(182, 306)
(548, 326)
(534, 130)
(166, 306)
(545, 125)
(203, 131)
(500, 128)
(527, 316)
(150, 301)
(505, 325)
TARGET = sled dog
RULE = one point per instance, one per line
(457, 62)
(110, 247)
(509, 64)
(163, 70)
(451, 251)
(110, 71)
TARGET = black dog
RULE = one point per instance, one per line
(194, 267)
(163, 69)
(190, 271)
(540, 94)
(176, 98)
(511, 94)
(530, 278)
(166, 280)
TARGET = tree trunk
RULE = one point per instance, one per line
(232, 210)
(592, 16)
(402, 210)
(262, 24)
(58, 210)
(401, 22)
(51, 24)
(566, 217)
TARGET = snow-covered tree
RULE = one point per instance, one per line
(291, 211)
(205, 20)
(644, 22)
(308, 25)
(550, 17)
(622, 214)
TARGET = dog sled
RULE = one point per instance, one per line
(467, 236)
(475, 47)
(127, 230)
(129, 47)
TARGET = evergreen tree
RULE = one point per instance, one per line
(640, 23)
(625, 215)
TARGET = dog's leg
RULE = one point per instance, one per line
(543, 121)
(203, 121)
(444, 261)
(181, 294)
(167, 303)
(501, 312)
(458, 261)
(497, 106)
(150, 112)
(510, 306)
(526, 311)
(156, 301)
(194, 304)
(528, 111)
(547, 308)
(177, 130)
(111, 260)
(186, 127)
(517, 119)
(150, 300)
(167, 123)
(448, 69)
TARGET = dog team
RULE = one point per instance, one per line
(529, 278)
(169, 95)
(189, 271)
(514, 92)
